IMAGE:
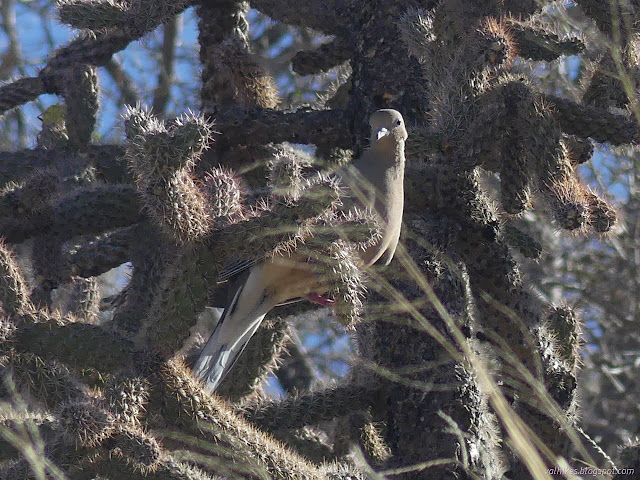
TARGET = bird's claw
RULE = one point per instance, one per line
(315, 297)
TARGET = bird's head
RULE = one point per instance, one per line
(387, 125)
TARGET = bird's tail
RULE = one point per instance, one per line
(240, 320)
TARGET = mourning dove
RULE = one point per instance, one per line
(375, 181)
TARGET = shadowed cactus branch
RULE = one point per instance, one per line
(80, 90)
(325, 57)
(309, 408)
(136, 17)
(186, 403)
(535, 43)
(593, 122)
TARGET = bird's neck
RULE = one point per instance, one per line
(390, 148)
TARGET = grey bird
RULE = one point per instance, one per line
(375, 181)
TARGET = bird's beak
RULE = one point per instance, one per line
(381, 133)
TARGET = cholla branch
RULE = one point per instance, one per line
(325, 57)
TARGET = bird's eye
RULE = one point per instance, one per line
(398, 122)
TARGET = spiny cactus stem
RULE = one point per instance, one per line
(77, 344)
(257, 126)
(596, 123)
(309, 408)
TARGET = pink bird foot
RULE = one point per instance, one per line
(320, 299)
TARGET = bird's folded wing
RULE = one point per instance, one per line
(234, 267)
(227, 283)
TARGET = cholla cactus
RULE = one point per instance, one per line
(449, 315)
(162, 159)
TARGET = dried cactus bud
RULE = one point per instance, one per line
(568, 204)
(239, 78)
(579, 150)
(522, 241)
(602, 216)
(286, 174)
(127, 397)
(565, 325)
(137, 447)
(495, 46)
(191, 135)
(85, 423)
(138, 120)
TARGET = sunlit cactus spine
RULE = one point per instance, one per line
(14, 293)
(287, 174)
(274, 228)
(309, 442)
(567, 202)
(321, 192)
(223, 194)
(179, 297)
(417, 32)
(356, 225)
(309, 408)
(359, 429)
(50, 382)
(187, 404)
(602, 216)
(347, 281)
(127, 397)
